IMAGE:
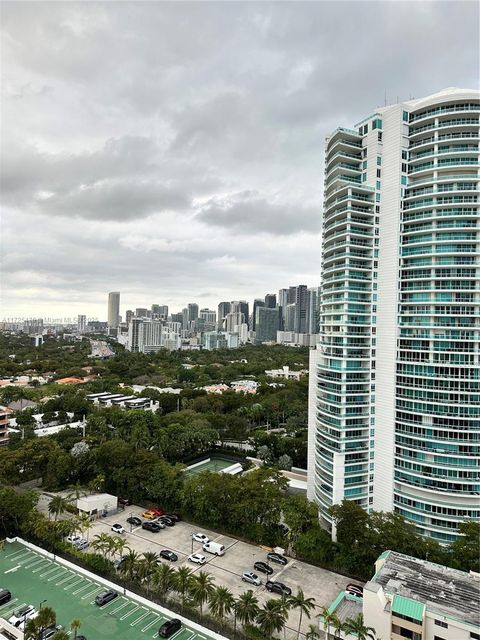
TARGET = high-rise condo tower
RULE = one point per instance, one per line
(394, 409)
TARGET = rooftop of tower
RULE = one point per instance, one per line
(448, 592)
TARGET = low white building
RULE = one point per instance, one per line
(285, 373)
(98, 504)
(415, 599)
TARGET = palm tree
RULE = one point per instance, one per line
(338, 626)
(181, 582)
(246, 608)
(101, 542)
(57, 506)
(201, 589)
(147, 567)
(60, 635)
(303, 604)
(312, 633)
(36, 626)
(271, 618)
(221, 602)
(163, 578)
(84, 523)
(328, 619)
(356, 626)
(129, 566)
(75, 626)
(119, 546)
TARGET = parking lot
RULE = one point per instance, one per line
(33, 579)
(239, 556)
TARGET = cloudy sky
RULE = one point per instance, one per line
(174, 151)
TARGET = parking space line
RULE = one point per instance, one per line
(73, 584)
(53, 568)
(36, 561)
(63, 580)
(87, 585)
(121, 606)
(126, 615)
(55, 576)
(144, 615)
(96, 590)
(46, 563)
(8, 605)
(21, 552)
(24, 559)
(150, 624)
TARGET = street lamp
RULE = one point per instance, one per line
(131, 514)
(42, 602)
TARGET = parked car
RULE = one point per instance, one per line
(5, 596)
(354, 590)
(200, 537)
(166, 520)
(123, 502)
(151, 526)
(105, 597)
(173, 516)
(161, 524)
(252, 578)
(197, 558)
(278, 587)
(169, 627)
(50, 631)
(21, 614)
(81, 637)
(157, 512)
(150, 515)
(168, 555)
(30, 616)
(263, 567)
(276, 557)
(73, 538)
(117, 528)
(134, 521)
(82, 544)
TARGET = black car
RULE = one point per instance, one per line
(278, 587)
(151, 526)
(168, 555)
(263, 567)
(169, 627)
(133, 520)
(276, 557)
(166, 520)
(81, 637)
(105, 597)
(5, 596)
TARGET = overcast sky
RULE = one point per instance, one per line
(174, 151)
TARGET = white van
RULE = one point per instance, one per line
(215, 548)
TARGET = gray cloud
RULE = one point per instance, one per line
(158, 148)
(248, 212)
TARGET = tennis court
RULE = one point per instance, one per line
(210, 464)
(33, 579)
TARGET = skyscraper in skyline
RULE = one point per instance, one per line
(394, 413)
(113, 309)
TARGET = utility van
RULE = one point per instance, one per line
(214, 547)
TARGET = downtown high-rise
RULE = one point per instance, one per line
(394, 406)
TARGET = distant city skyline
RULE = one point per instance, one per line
(187, 164)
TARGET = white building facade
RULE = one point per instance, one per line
(394, 416)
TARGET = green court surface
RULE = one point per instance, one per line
(32, 578)
(213, 464)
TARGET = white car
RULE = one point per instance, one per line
(20, 615)
(74, 539)
(252, 578)
(159, 523)
(117, 528)
(197, 558)
(200, 537)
